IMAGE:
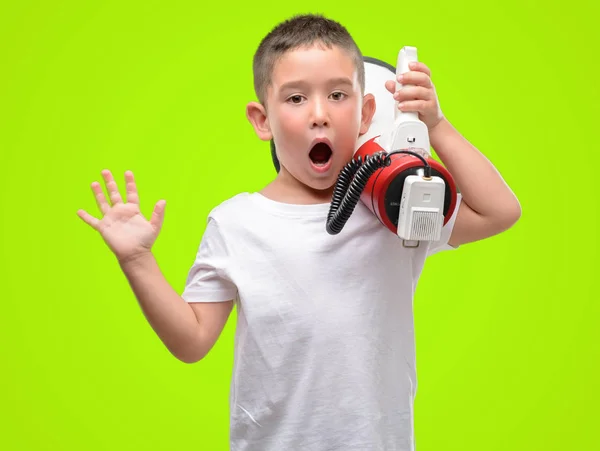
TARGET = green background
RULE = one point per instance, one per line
(507, 329)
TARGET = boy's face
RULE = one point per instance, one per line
(314, 96)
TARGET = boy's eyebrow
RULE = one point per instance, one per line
(300, 83)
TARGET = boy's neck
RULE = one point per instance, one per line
(290, 191)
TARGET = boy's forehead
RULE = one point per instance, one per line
(312, 64)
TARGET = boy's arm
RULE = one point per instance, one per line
(189, 331)
(488, 205)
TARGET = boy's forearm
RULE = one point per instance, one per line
(481, 185)
(171, 317)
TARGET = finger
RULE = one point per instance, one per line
(88, 219)
(418, 106)
(415, 79)
(131, 188)
(412, 93)
(100, 199)
(420, 67)
(158, 215)
(111, 187)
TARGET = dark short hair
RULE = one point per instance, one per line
(296, 32)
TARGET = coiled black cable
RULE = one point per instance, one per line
(352, 181)
(348, 188)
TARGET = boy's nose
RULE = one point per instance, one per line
(319, 115)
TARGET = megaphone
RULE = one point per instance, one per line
(392, 171)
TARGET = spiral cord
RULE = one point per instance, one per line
(342, 184)
(349, 186)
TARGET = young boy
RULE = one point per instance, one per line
(324, 351)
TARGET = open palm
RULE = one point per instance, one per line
(122, 226)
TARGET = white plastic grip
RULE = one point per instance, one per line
(406, 56)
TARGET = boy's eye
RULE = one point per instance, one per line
(295, 99)
(338, 95)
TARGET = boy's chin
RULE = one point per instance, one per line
(320, 184)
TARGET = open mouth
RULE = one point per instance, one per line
(320, 154)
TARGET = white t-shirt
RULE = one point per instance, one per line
(324, 349)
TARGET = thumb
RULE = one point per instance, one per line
(158, 215)
(390, 85)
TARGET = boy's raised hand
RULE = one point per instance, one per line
(123, 227)
(419, 96)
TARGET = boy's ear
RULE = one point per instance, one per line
(368, 111)
(257, 115)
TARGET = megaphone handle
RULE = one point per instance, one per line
(406, 55)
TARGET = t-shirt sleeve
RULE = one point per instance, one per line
(442, 244)
(207, 280)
